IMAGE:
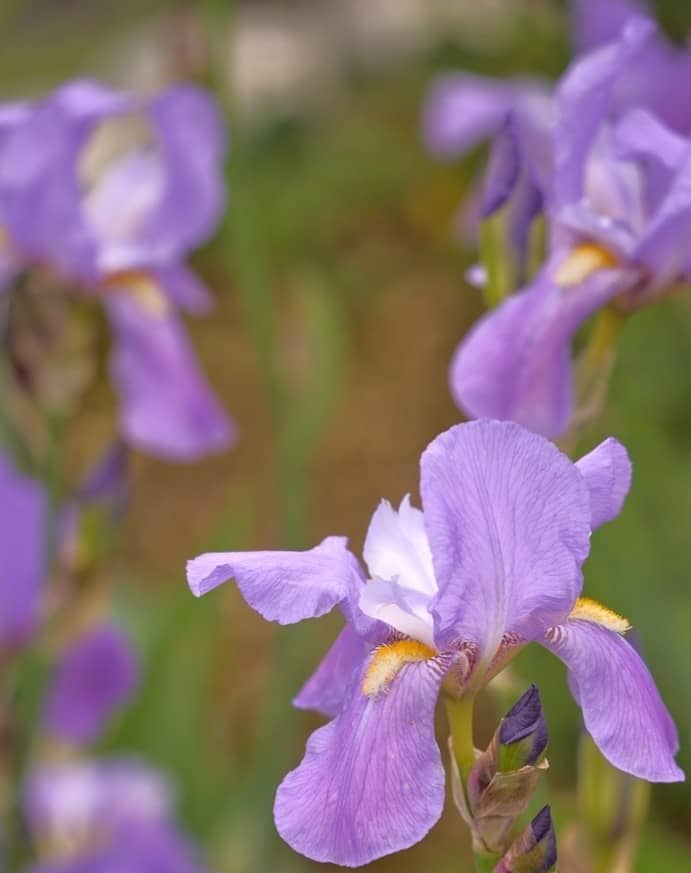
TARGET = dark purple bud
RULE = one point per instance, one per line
(523, 733)
(535, 850)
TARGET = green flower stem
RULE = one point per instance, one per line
(459, 712)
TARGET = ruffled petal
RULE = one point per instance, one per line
(92, 681)
(371, 781)
(325, 690)
(282, 586)
(166, 406)
(403, 609)
(622, 708)
(607, 473)
(515, 363)
(585, 97)
(396, 546)
(508, 518)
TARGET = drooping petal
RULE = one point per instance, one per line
(166, 406)
(22, 533)
(282, 586)
(462, 110)
(508, 518)
(93, 679)
(515, 363)
(396, 546)
(585, 97)
(622, 708)
(371, 781)
(325, 690)
(607, 473)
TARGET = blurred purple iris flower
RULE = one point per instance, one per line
(120, 228)
(93, 679)
(615, 189)
(22, 533)
(108, 816)
(451, 593)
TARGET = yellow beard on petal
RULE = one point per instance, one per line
(590, 610)
(582, 262)
(387, 660)
(141, 286)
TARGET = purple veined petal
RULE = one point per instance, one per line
(622, 708)
(508, 518)
(192, 145)
(282, 586)
(584, 99)
(462, 110)
(607, 474)
(166, 406)
(93, 679)
(396, 546)
(22, 533)
(515, 363)
(325, 690)
(664, 245)
(371, 781)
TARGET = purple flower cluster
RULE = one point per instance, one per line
(117, 225)
(599, 160)
(451, 593)
(109, 816)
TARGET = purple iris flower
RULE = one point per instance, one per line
(93, 679)
(105, 817)
(22, 526)
(615, 191)
(119, 227)
(450, 595)
(653, 83)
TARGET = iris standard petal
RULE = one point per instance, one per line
(396, 546)
(371, 781)
(166, 406)
(607, 473)
(639, 135)
(23, 506)
(93, 679)
(403, 609)
(325, 690)
(584, 99)
(664, 245)
(515, 363)
(508, 518)
(622, 708)
(282, 586)
(192, 143)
